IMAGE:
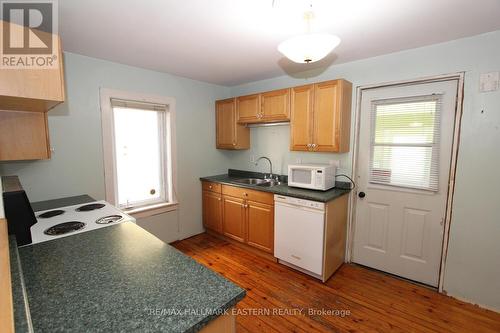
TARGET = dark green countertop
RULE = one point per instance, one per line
(62, 202)
(120, 278)
(283, 189)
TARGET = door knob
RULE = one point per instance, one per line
(361, 194)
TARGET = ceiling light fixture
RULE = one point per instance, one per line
(308, 47)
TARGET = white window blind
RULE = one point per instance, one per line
(405, 142)
(140, 140)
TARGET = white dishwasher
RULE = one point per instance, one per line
(299, 233)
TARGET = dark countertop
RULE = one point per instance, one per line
(120, 278)
(22, 319)
(340, 188)
(57, 203)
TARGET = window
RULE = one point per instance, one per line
(137, 142)
(405, 142)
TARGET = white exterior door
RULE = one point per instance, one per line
(404, 156)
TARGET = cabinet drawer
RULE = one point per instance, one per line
(244, 193)
(210, 186)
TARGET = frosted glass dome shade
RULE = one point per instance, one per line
(308, 48)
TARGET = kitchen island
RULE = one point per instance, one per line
(121, 278)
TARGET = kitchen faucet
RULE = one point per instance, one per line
(270, 165)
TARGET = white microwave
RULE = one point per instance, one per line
(312, 176)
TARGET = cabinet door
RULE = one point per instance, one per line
(260, 226)
(301, 124)
(212, 211)
(276, 105)
(233, 218)
(225, 114)
(326, 130)
(35, 90)
(23, 136)
(248, 108)
(229, 134)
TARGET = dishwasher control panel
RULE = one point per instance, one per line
(299, 202)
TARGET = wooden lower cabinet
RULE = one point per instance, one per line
(233, 218)
(212, 211)
(244, 215)
(260, 226)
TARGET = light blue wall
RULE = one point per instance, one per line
(76, 166)
(472, 269)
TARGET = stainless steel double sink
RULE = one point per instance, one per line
(257, 182)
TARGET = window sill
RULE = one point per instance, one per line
(151, 210)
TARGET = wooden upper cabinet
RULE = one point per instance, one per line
(272, 106)
(25, 97)
(36, 90)
(331, 118)
(326, 130)
(319, 115)
(275, 105)
(248, 108)
(230, 134)
(24, 136)
(302, 117)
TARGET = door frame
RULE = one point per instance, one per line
(459, 76)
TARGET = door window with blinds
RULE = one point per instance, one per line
(405, 142)
(137, 147)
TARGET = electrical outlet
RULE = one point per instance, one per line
(252, 158)
(489, 81)
(298, 160)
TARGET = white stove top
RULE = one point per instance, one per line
(71, 214)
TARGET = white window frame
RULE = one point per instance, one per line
(168, 153)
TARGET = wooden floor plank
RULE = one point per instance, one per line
(300, 295)
(377, 302)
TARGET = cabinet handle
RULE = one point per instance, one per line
(314, 145)
(218, 199)
(210, 186)
(234, 143)
(245, 194)
(308, 145)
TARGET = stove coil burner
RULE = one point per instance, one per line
(109, 219)
(51, 213)
(64, 228)
(89, 207)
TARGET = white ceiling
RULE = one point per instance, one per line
(230, 42)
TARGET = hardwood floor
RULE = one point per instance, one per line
(364, 300)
